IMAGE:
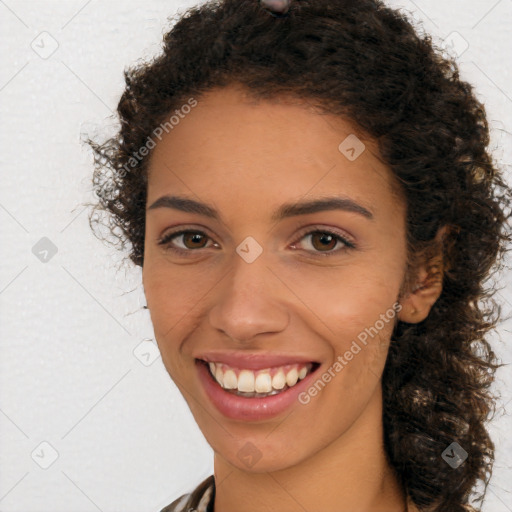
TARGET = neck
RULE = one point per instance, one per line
(350, 474)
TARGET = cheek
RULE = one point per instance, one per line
(345, 300)
(175, 296)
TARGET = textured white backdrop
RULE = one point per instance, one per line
(121, 435)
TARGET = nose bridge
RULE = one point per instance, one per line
(248, 303)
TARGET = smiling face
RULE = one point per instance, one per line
(295, 250)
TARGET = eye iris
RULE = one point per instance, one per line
(194, 238)
(325, 239)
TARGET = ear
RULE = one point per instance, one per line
(416, 304)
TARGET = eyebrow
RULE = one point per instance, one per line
(284, 211)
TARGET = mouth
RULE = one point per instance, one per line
(258, 393)
(258, 383)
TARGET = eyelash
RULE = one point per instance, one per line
(166, 239)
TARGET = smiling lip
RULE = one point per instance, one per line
(251, 409)
(252, 361)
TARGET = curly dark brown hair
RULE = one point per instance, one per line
(365, 62)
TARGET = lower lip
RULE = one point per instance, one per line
(249, 409)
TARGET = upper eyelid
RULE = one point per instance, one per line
(177, 230)
(316, 228)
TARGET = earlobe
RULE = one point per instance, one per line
(416, 305)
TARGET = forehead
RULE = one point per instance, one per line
(264, 151)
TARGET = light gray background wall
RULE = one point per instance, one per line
(87, 420)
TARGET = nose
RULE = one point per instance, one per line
(248, 302)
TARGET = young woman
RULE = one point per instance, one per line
(308, 191)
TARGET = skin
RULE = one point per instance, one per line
(245, 159)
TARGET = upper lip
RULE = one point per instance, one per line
(252, 360)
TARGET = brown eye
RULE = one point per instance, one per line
(323, 241)
(185, 241)
(193, 240)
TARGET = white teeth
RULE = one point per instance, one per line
(230, 380)
(252, 383)
(263, 383)
(219, 375)
(292, 377)
(246, 381)
(279, 380)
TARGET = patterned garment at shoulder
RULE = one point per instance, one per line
(199, 500)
